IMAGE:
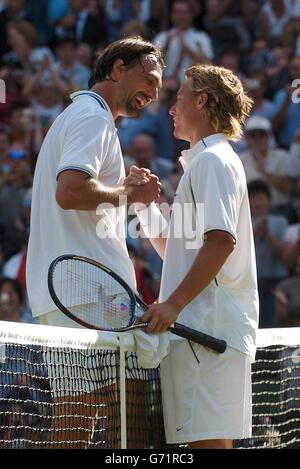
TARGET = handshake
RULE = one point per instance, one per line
(141, 187)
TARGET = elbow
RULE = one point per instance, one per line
(64, 200)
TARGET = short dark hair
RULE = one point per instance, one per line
(258, 186)
(131, 50)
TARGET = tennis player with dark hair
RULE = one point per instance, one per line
(79, 197)
(208, 283)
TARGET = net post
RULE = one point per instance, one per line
(122, 392)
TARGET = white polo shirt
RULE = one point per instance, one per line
(214, 179)
(83, 137)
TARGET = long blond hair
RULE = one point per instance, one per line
(228, 104)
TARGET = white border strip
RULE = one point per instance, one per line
(284, 336)
(81, 338)
(35, 334)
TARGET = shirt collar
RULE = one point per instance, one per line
(96, 96)
(188, 155)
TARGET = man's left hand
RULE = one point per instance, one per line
(160, 316)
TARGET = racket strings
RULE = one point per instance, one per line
(99, 292)
(92, 295)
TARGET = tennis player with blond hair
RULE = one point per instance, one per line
(208, 283)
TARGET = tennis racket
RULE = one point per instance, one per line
(97, 298)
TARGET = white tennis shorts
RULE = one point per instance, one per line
(208, 400)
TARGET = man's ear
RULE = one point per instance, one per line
(117, 70)
(201, 100)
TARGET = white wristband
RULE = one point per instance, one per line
(152, 221)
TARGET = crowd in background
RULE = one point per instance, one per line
(47, 51)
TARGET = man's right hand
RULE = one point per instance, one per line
(137, 176)
(144, 194)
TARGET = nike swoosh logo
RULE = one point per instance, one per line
(178, 429)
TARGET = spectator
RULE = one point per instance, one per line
(250, 12)
(260, 56)
(256, 85)
(119, 12)
(47, 103)
(26, 131)
(223, 27)
(268, 231)
(84, 25)
(291, 246)
(293, 166)
(85, 55)
(291, 32)
(287, 294)
(286, 120)
(13, 186)
(13, 77)
(230, 58)
(278, 72)
(11, 300)
(275, 15)
(143, 152)
(75, 75)
(135, 28)
(24, 40)
(182, 44)
(267, 164)
(12, 11)
(15, 266)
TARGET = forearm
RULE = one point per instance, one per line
(154, 226)
(206, 266)
(89, 195)
(78, 191)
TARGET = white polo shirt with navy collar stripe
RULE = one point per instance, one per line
(83, 138)
(212, 195)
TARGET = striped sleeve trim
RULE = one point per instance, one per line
(75, 168)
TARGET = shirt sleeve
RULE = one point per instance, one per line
(215, 190)
(85, 145)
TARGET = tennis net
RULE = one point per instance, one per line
(75, 388)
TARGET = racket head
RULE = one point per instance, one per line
(91, 294)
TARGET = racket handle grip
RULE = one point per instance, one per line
(209, 341)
